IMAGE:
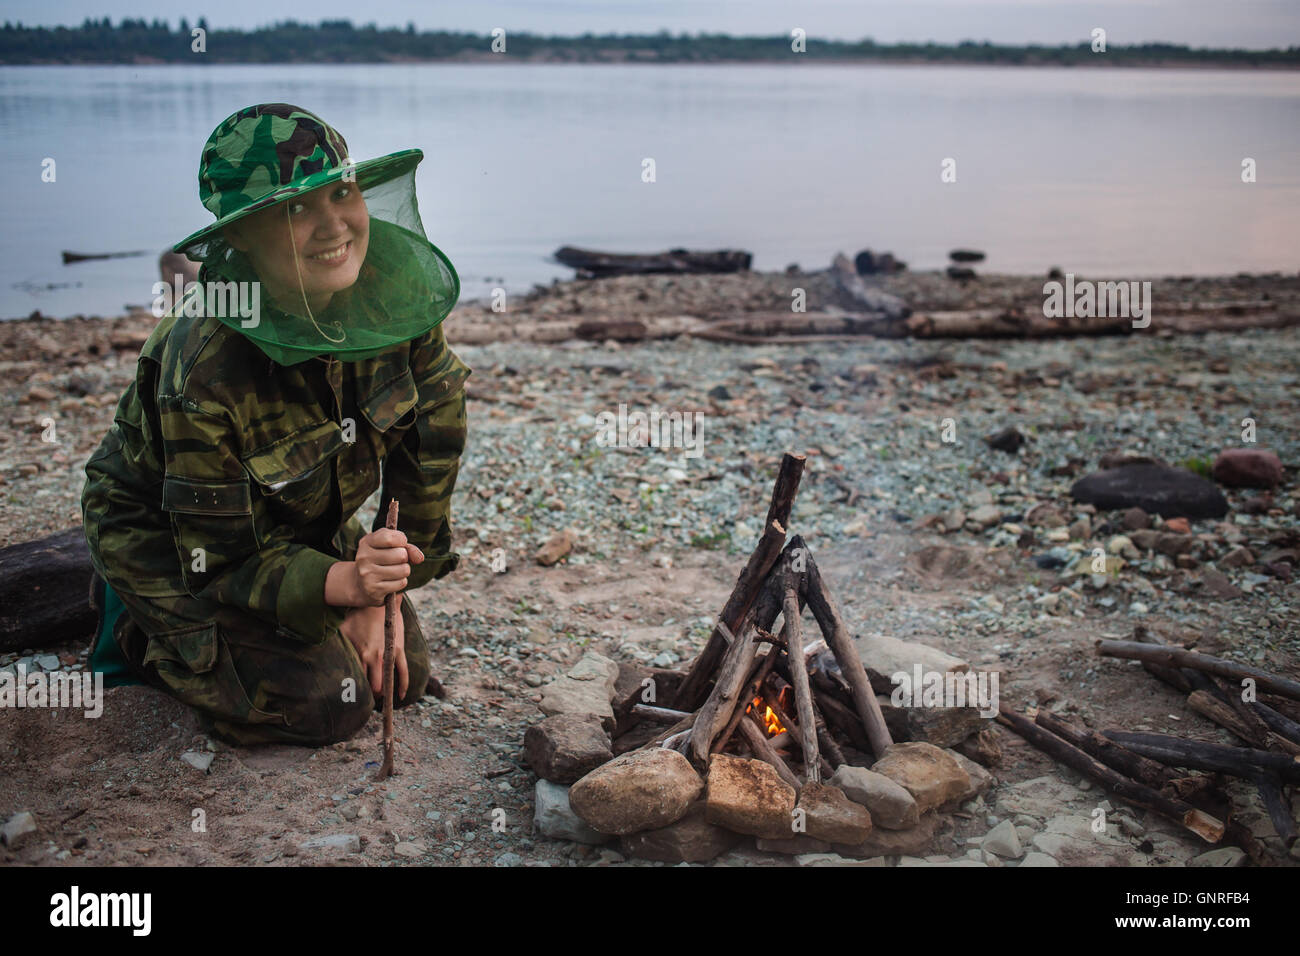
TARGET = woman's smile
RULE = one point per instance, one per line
(335, 256)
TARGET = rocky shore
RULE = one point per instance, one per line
(930, 532)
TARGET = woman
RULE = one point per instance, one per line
(219, 509)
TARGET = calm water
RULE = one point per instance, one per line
(1116, 173)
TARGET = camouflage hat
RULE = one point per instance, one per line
(265, 154)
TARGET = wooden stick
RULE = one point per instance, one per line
(1241, 762)
(1169, 656)
(846, 721)
(826, 741)
(763, 750)
(1149, 773)
(390, 637)
(660, 715)
(723, 699)
(799, 673)
(765, 611)
(1207, 705)
(841, 644)
(692, 691)
(1202, 824)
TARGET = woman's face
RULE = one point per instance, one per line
(328, 228)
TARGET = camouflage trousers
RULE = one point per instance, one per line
(251, 683)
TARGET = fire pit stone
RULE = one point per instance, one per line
(932, 776)
(749, 797)
(889, 802)
(641, 790)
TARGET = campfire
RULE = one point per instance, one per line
(767, 734)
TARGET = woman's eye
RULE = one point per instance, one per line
(342, 192)
(295, 208)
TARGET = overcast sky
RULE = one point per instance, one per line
(1216, 23)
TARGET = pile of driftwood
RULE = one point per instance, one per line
(1150, 770)
(763, 692)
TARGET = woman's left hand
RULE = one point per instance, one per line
(364, 627)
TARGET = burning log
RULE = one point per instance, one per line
(1202, 824)
(1168, 656)
(837, 637)
(691, 694)
(764, 751)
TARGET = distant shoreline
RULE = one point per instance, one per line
(135, 42)
(495, 59)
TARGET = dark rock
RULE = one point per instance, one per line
(868, 263)
(1156, 489)
(692, 839)
(961, 273)
(1008, 439)
(719, 393)
(1118, 459)
(1216, 584)
(1135, 519)
(1247, 468)
(566, 747)
(966, 255)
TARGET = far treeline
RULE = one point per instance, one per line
(338, 41)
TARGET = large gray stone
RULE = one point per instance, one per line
(692, 839)
(889, 803)
(553, 817)
(888, 655)
(587, 689)
(566, 747)
(929, 774)
(749, 797)
(640, 790)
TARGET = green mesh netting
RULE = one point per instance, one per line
(406, 286)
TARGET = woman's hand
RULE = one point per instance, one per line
(383, 563)
(364, 627)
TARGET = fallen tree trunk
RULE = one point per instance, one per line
(45, 592)
(591, 263)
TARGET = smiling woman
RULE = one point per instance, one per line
(232, 571)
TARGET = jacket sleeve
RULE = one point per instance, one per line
(420, 471)
(229, 548)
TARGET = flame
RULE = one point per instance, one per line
(770, 722)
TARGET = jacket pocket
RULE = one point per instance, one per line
(441, 423)
(212, 523)
(293, 473)
(196, 665)
(391, 402)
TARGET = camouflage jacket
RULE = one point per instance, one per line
(226, 476)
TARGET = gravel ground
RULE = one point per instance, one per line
(660, 537)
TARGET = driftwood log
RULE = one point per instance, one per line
(1246, 763)
(45, 592)
(591, 263)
